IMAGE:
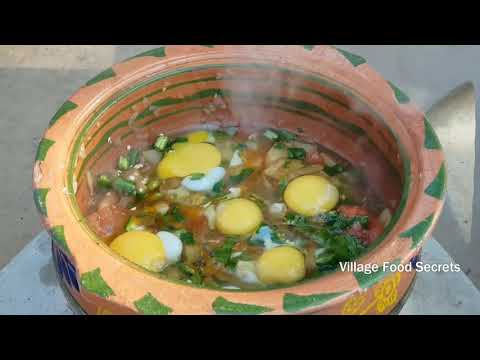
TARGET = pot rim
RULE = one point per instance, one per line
(62, 218)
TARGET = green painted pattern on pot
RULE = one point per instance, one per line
(294, 303)
(368, 280)
(209, 46)
(43, 148)
(309, 47)
(437, 187)
(354, 59)
(58, 236)
(106, 74)
(65, 108)
(222, 306)
(93, 282)
(40, 197)
(148, 305)
(431, 141)
(158, 52)
(401, 97)
(417, 233)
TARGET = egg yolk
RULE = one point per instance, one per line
(311, 195)
(188, 159)
(238, 217)
(198, 137)
(142, 248)
(282, 265)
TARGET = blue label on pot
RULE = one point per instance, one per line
(65, 268)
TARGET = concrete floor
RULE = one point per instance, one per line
(36, 80)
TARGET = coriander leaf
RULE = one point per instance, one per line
(220, 135)
(223, 254)
(282, 185)
(187, 238)
(196, 176)
(237, 179)
(296, 153)
(333, 170)
(193, 275)
(177, 215)
(219, 187)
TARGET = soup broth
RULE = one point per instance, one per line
(233, 209)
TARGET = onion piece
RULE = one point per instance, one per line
(153, 157)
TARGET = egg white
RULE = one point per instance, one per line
(173, 246)
(246, 272)
(205, 183)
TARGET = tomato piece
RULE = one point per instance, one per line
(352, 210)
(374, 229)
(108, 221)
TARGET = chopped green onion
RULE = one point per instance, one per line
(296, 153)
(153, 184)
(104, 181)
(133, 157)
(125, 187)
(133, 225)
(161, 143)
(271, 135)
(123, 163)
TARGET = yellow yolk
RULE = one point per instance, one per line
(311, 195)
(282, 265)
(142, 248)
(187, 159)
(198, 137)
(238, 217)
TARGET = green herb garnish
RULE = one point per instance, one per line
(192, 274)
(104, 181)
(282, 185)
(161, 143)
(123, 163)
(223, 254)
(125, 187)
(296, 153)
(333, 170)
(196, 176)
(187, 237)
(176, 214)
(220, 135)
(219, 187)
(133, 157)
(245, 173)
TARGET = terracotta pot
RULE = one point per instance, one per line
(333, 96)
